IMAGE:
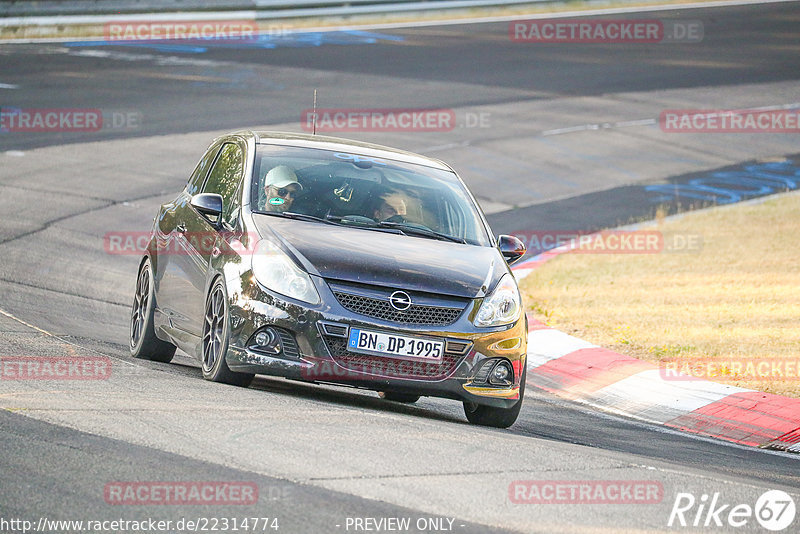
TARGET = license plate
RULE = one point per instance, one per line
(395, 346)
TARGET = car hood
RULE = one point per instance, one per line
(387, 259)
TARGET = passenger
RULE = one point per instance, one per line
(391, 206)
(280, 188)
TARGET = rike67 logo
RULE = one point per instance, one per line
(774, 510)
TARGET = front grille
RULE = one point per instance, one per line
(390, 367)
(381, 309)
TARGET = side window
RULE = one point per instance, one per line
(224, 178)
(200, 172)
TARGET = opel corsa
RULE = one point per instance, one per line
(339, 262)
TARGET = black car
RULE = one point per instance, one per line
(335, 261)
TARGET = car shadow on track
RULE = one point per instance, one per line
(353, 397)
(427, 407)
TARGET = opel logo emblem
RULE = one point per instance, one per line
(400, 300)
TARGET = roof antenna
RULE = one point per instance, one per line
(314, 127)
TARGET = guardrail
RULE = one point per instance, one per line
(264, 9)
(48, 8)
(368, 7)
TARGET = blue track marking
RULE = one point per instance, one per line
(727, 187)
(623, 205)
(264, 41)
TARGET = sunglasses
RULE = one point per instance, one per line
(285, 191)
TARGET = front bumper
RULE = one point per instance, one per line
(320, 354)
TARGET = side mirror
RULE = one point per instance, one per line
(209, 205)
(511, 248)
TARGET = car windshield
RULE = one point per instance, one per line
(365, 192)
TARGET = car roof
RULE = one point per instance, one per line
(338, 144)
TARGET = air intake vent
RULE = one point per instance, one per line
(333, 329)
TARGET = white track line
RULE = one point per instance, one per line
(62, 340)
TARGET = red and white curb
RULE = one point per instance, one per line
(580, 371)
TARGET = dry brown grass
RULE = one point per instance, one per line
(737, 298)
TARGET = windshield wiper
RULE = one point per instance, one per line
(362, 223)
(410, 228)
(298, 216)
(356, 220)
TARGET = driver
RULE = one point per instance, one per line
(391, 205)
(281, 188)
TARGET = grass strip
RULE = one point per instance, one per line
(727, 311)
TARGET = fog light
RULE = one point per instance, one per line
(263, 337)
(267, 340)
(501, 374)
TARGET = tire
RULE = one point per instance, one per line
(143, 342)
(496, 417)
(216, 334)
(398, 397)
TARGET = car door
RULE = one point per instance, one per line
(170, 278)
(197, 238)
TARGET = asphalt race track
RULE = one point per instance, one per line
(543, 131)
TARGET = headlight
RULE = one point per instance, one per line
(502, 307)
(275, 270)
